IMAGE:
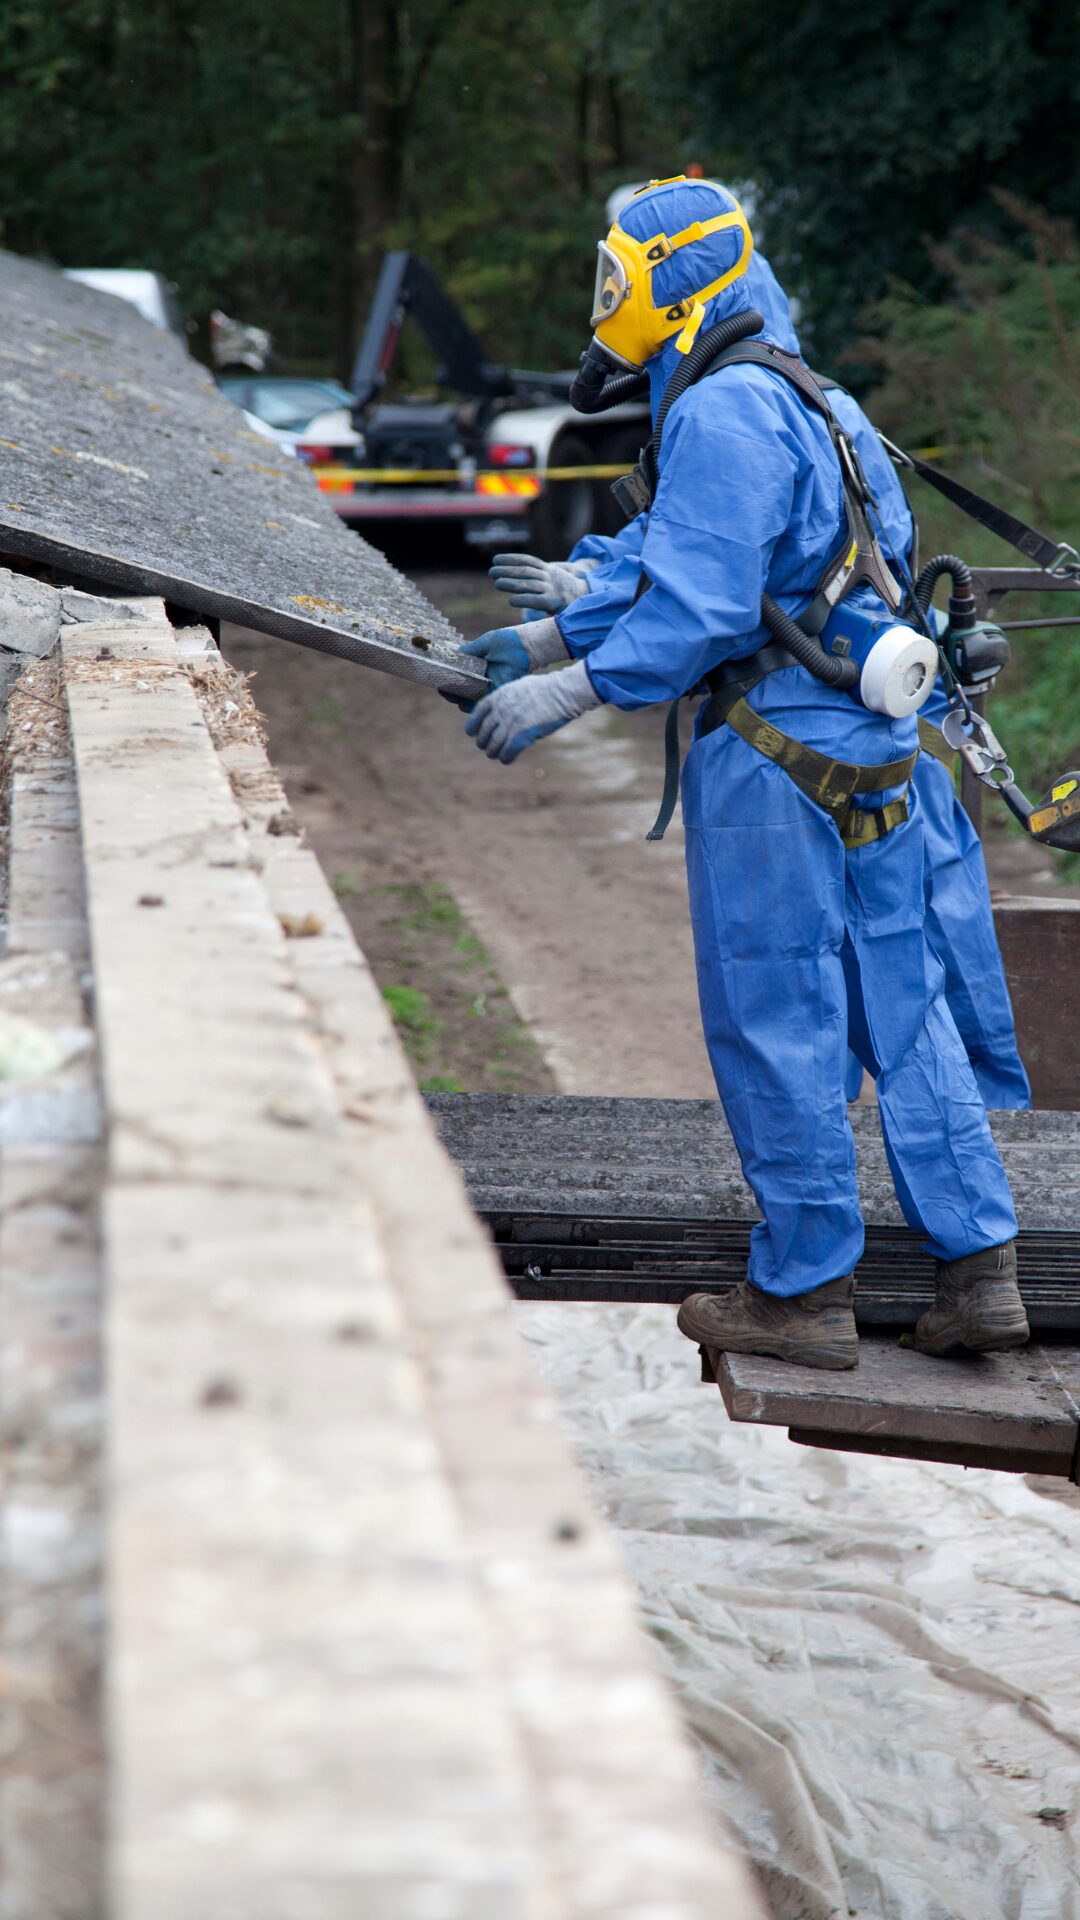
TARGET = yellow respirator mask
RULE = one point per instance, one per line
(625, 319)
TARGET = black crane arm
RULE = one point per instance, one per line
(408, 287)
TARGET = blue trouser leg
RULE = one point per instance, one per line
(946, 1170)
(788, 928)
(960, 926)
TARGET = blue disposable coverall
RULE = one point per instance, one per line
(800, 943)
(959, 917)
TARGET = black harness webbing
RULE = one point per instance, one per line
(1051, 554)
(859, 557)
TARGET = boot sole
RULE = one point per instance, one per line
(837, 1358)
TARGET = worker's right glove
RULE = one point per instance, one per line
(547, 586)
(511, 718)
(510, 652)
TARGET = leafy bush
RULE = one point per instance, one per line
(989, 382)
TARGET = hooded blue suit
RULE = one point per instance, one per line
(959, 917)
(801, 944)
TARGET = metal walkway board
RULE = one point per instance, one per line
(608, 1199)
(563, 1154)
(120, 462)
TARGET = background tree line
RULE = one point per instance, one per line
(913, 167)
(263, 156)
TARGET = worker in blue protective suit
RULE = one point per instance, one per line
(959, 916)
(808, 919)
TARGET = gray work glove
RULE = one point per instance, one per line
(547, 586)
(509, 652)
(511, 718)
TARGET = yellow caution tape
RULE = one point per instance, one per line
(331, 477)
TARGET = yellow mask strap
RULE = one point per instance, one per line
(692, 328)
(701, 229)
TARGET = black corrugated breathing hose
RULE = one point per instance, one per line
(597, 386)
(962, 610)
(807, 648)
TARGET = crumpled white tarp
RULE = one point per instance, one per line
(880, 1659)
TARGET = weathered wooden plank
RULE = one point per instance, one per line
(995, 1409)
(1040, 945)
(50, 1362)
(368, 1649)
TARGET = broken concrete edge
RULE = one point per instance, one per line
(410, 1425)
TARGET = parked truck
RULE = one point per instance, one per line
(497, 454)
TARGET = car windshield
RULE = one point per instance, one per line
(289, 404)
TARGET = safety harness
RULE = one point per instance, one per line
(830, 783)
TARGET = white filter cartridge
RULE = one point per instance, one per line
(898, 673)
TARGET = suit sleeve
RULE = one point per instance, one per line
(727, 486)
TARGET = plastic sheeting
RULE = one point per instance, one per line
(880, 1660)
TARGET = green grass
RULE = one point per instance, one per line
(453, 1013)
(411, 1011)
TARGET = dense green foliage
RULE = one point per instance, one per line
(868, 129)
(264, 156)
(990, 379)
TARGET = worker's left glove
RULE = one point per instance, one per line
(516, 715)
(509, 652)
(547, 586)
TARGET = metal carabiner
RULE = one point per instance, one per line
(979, 748)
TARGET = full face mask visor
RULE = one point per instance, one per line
(612, 284)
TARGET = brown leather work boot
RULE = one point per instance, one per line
(814, 1329)
(978, 1305)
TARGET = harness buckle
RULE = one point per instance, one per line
(1066, 560)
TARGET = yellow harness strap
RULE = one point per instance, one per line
(829, 783)
(931, 742)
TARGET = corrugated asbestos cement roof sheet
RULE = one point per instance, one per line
(120, 461)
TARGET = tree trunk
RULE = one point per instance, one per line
(368, 166)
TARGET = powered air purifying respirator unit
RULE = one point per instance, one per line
(897, 666)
